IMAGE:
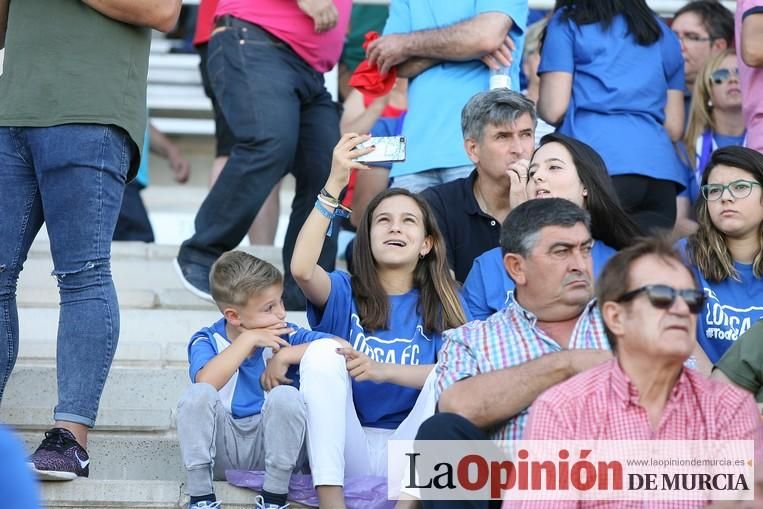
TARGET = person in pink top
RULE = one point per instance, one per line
(749, 43)
(266, 60)
(649, 300)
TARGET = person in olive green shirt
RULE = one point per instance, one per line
(72, 119)
(742, 364)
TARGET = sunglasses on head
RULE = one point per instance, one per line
(718, 76)
(663, 297)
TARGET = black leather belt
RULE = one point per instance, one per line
(228, 21)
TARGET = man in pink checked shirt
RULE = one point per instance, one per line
(649, 300)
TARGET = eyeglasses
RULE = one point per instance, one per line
(663, 297)
(691, 37)
(720, 75)
(739, 189)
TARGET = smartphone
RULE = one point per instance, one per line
(389, 149)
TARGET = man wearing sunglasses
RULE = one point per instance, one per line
(649, 300)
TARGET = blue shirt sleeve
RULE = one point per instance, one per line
(399, 19)
(475, 292)
(558, 53)
(335, 316)
(200, 351)
(302, 335)
(517, 10)
(672, 59)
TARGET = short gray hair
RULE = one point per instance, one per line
(521, 228)
(495, 107)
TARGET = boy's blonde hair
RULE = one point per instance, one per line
(238, 276)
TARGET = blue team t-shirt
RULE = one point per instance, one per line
(437, 95)
(382, 405)
(619, 92)
(487, 286)
(732, 307)
(243, 395)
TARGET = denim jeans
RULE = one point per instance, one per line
(283, 120)
(71, 177)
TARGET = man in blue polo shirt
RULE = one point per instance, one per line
(439, 45)
(499, 136)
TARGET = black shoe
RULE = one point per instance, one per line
(60, 457)
(195, 278)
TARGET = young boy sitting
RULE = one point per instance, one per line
(225, 419)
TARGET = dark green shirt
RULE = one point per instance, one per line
(743, 362)
(66, 63)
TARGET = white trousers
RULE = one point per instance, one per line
(338, 447)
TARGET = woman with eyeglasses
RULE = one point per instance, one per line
(561, 167)
(612, 76)
(725, 251)
(715, 121)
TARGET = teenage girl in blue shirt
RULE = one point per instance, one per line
(726, 252)
(392, 310)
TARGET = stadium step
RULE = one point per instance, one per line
(97, 494)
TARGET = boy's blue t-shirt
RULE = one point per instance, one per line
(732, 307)
(619, 93)
(487, 286)
(243, 395)
(383, 405)
(17, 484)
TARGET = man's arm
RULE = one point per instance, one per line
(3, 21)
(159, 14)
(467, 40)
(491, 398)
(752, 39)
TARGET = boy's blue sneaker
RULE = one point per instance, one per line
(60, 457)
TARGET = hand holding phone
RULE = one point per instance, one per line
(387, 149)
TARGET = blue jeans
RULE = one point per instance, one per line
(283, 121)
(71, 177)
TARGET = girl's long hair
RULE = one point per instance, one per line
(609, 222)
(439, 303)
(642, 22)
(707, 248)
(700, 113)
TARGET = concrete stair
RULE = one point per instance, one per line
(134, 449)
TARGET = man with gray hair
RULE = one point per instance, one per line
(489, 372)
(498, 128)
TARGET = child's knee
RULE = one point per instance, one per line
(197, 398)
(322, 356)
(286, 401)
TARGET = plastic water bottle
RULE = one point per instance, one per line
(499, 78)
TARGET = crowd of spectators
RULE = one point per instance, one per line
(577, 255)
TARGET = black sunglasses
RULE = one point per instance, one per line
(663, 296)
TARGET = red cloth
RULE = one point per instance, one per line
(205, 22)
(367, 78)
